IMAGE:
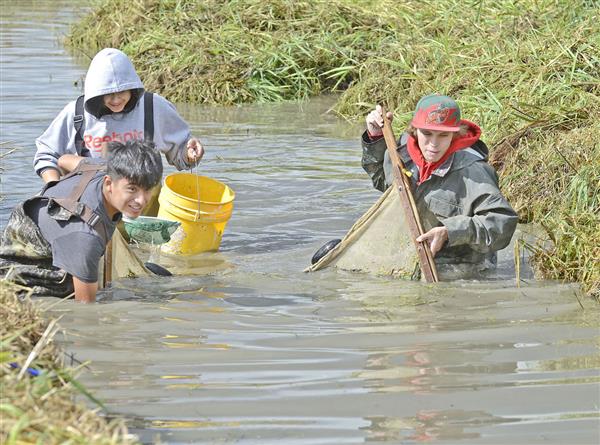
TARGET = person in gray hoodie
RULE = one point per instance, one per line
(113, 111)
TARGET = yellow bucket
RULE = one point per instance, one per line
(202, 205)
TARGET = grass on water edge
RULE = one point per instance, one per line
(6, 149)
(527, 71)
(37, 397)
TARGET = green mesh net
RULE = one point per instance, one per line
(149, 229)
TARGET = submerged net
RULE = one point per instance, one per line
(124, 263)
(150, 230)
(379, 242)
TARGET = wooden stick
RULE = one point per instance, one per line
(108, 262)
(407, 201)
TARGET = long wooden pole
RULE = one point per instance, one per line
(407, 201)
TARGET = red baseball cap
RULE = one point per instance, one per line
(437, 112)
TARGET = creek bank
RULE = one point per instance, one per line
(37, 403)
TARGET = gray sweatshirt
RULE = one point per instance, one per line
(111, 71)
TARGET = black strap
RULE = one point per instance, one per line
(79, 124)
(148, 116)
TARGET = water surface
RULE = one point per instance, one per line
(242, 347)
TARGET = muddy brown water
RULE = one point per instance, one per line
(242, 347)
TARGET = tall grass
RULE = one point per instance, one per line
(36, 400)
(561, 191)
(237, 51)
(528, 71)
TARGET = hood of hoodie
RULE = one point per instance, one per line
(110, 71)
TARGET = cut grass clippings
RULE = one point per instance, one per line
(527, 71)
(37, 396)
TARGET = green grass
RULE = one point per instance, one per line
(236, 51)
(527, 71)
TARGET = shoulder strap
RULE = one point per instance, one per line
(71, 203)
(78, 123)
(148, 116)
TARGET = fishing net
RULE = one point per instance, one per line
(150, 230)
(379, 242)
(124, 263)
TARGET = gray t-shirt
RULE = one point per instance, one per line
(76, 247)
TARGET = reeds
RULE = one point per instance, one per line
(36, 399)
(229, 52)
(8, 146)
(561, 191)
(527, 71)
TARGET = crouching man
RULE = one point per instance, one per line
(53, 242)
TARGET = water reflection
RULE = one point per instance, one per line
(426, 426)
(224, 358)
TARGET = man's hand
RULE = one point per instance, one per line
(436, 238)
(375, 122)
(195, 151)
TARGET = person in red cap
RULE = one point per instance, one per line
(464, 215)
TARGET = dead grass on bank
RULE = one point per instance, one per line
(527, 71)
(41, 409)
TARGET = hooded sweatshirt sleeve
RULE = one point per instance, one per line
(58, 139)
(376, 160)
(171, 133)
(488, 221)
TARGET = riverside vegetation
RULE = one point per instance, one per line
(36, 400)
(528, 71)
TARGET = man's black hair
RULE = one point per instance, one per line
(137, 161)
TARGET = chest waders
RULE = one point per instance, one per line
(26, 256)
